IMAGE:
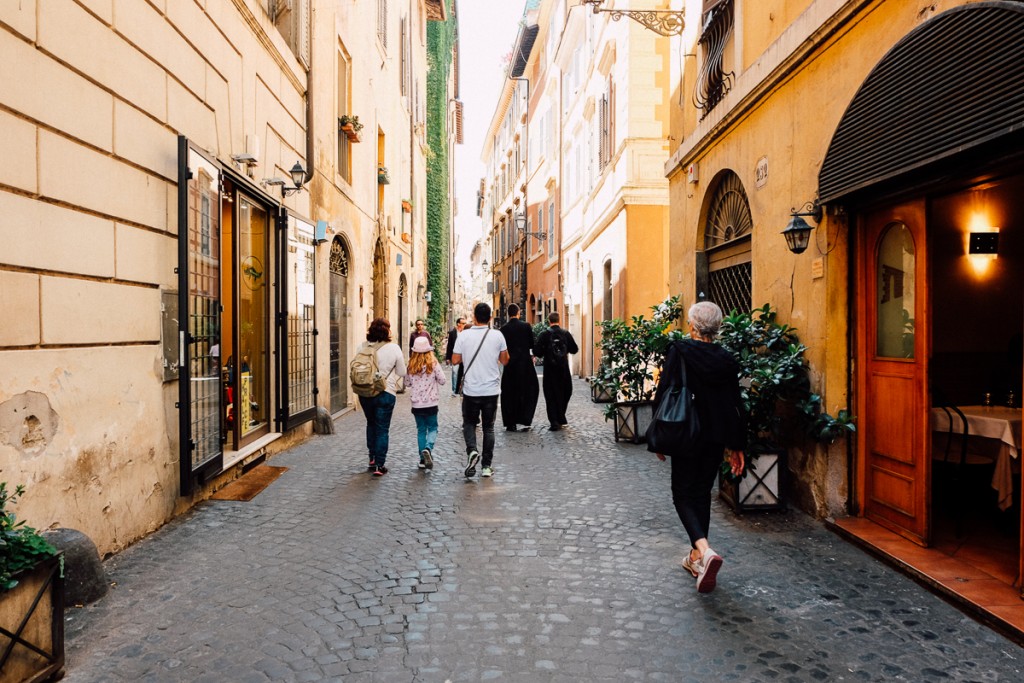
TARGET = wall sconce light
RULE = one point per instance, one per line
(245, 158)
(520, 221)
(427, 296)
(298, 174)
(984, 243)
(484, 265)
(798, 232)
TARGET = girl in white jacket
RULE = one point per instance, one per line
(423, 378)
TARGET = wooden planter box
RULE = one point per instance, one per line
(32, 625)
(632, 419)
(762, 489)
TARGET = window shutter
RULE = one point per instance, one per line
(602, 153)
(382, 22)
(404, 50)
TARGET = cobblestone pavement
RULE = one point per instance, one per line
(563, 567)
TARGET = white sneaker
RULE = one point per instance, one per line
(692, 566)
(709, 566)
(486, 472)
(471, 462)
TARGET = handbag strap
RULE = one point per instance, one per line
(482, 339)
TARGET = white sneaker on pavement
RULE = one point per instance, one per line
(709, 566)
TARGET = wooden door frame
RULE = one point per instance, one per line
(864, 336)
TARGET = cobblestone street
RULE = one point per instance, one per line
(563, 567)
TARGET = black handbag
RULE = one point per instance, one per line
(676, 426)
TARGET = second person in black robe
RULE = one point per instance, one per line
(519, 386)
(555, 345)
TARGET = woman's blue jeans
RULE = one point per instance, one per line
(426, 431)
(378, 410)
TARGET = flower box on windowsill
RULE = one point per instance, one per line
(406, 237)
(406, 206)
(350, 132)
(382, 176)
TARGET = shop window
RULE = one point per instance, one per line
(301, 320)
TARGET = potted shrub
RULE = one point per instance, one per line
(31, 599)
(630, 354)
(539, 327)
(350, 126)
(382, 176)
(775, 391)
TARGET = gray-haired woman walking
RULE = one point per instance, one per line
(713, 376)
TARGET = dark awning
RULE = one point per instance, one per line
(523, 47)
(949, 86)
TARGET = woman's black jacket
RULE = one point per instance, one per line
(712, 374)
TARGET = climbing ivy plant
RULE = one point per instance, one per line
(440, 40)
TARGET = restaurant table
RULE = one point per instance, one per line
(989, 422)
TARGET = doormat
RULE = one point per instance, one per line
(249, 485)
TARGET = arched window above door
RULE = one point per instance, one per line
(724, 273)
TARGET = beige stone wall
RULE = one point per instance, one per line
(94, 95)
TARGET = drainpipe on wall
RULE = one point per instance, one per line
(309, 98)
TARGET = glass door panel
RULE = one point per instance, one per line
(199, 253)
(253, 404)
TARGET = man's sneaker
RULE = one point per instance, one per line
(371, 467)
(423, 463)
(380, 471)
(471, 462)
(709, 566)
(426, 459)
(692, 566)
(486, 472)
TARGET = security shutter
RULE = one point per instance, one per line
(952, 84)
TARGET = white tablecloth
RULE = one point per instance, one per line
(990, 422)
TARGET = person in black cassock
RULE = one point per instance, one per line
(519, 387)
(554, 345)
(712, 375)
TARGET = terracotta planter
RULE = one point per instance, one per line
(350, 132)
(32, 625)
(763, 487)
(632, 419)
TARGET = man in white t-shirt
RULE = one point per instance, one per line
(481, 350)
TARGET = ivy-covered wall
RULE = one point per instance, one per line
(440, 40)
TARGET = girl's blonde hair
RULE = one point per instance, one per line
(421, 362)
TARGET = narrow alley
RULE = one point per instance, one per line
(563, 567)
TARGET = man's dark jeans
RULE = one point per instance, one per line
(475, 408)
(378, 410)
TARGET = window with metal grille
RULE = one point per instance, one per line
(713, 81)
(724, 267)
(301, 317)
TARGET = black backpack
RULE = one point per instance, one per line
(558, 349)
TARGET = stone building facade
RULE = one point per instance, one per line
(192, 307)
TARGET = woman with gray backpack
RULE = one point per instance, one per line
(374, 372)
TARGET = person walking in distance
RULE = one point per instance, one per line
(482, 353)
(712, 375)
(419, 330)
(519, 387)
(423, 378)
(374, 371)
(554, 345)
(453, 334)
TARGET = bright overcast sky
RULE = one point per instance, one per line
(487, 29)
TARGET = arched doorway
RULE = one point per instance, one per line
(724, 273)
(380, 282)
(339, 316)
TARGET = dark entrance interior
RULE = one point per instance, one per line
(977, 302)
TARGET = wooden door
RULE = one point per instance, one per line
(894, 467)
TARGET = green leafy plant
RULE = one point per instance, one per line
(539, 327)
(21, 546)
(773, 373)
(632, 351)
(383, 177)
(346, 120)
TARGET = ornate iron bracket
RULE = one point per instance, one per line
(661, 21)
